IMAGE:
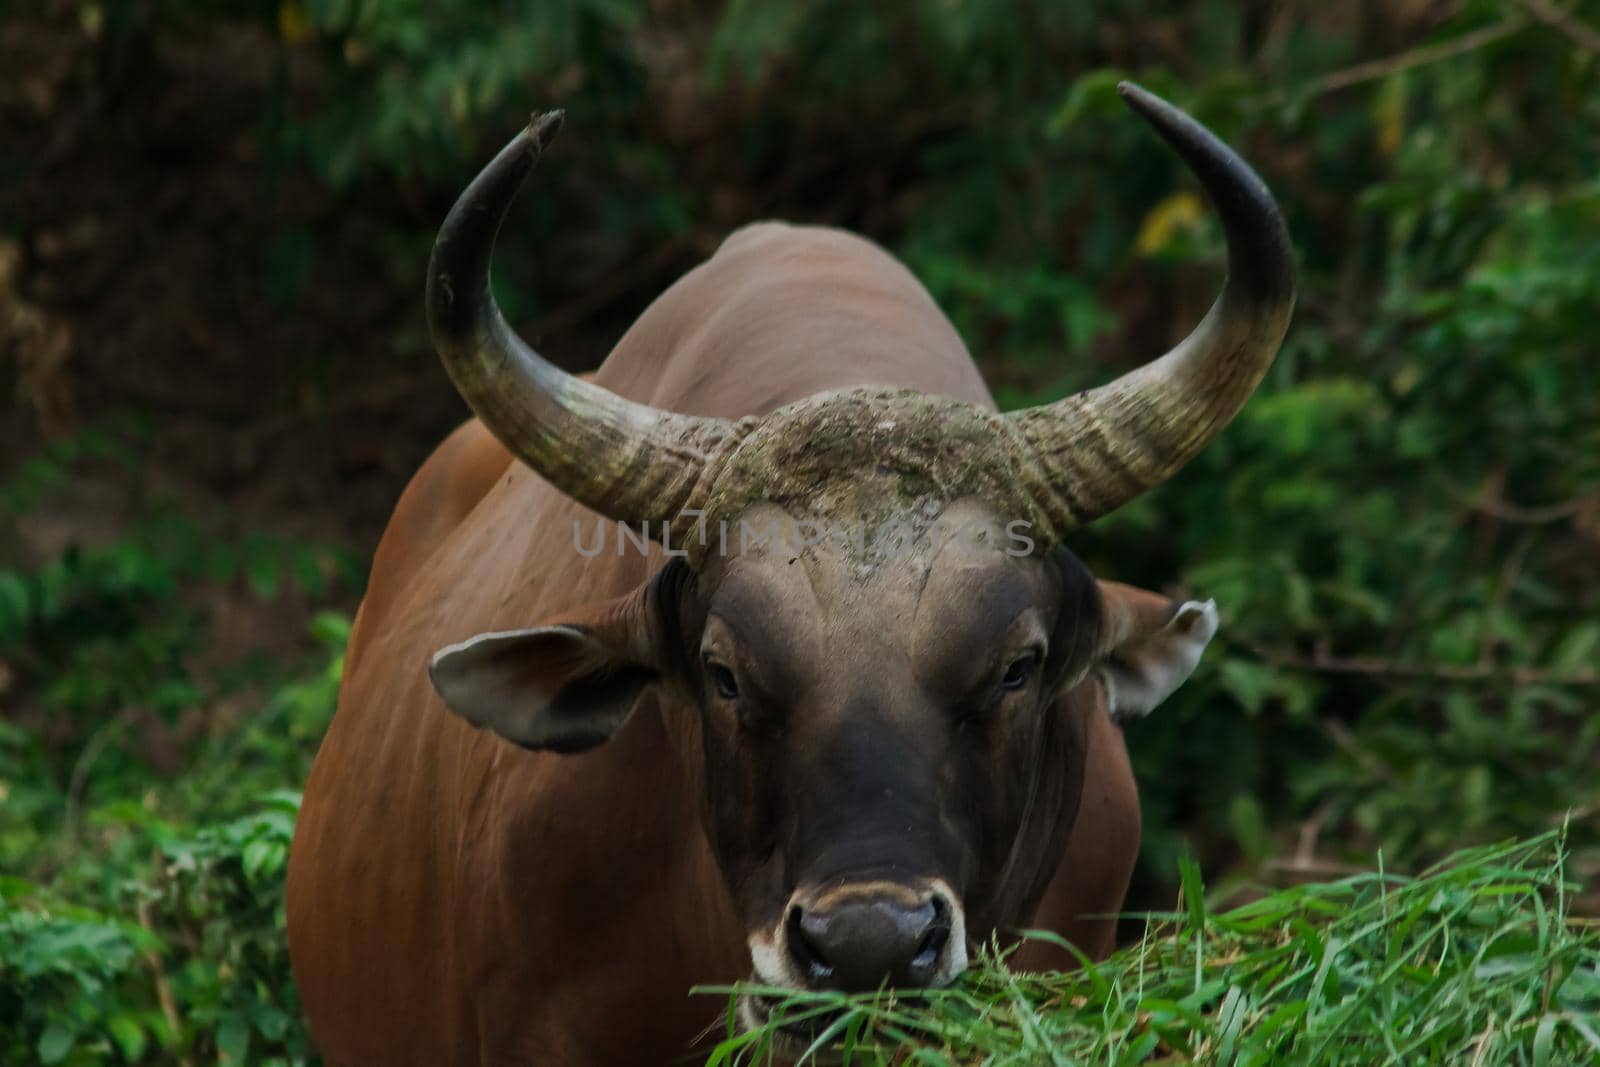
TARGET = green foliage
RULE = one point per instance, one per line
(1476, 960)
(182, 950)
(1386, 583)
(201, 969)
(96, 629)
(418, 80)
(142, 920)
(62, 982)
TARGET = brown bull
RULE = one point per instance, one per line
(861, 714)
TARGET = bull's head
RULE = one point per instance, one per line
(883, 759)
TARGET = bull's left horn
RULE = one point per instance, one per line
(623, 459)
(1091, 453)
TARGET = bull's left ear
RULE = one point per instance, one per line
(561, 688)
(1149, 646)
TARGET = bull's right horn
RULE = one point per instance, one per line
(625, 460)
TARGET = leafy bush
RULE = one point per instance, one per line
(180, 950)
(201, 969)
(141, 920)
(64, 975)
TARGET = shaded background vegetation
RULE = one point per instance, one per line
(214, 218)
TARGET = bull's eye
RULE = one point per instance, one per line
(722, 680)
(1020, 671)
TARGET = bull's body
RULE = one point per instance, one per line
(456, 900)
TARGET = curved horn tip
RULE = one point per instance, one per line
(542, 128)
(1259, 253)
(1147, 103)
(1140, 96)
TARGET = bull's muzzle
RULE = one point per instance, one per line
(859, 937)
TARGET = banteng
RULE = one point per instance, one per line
(564, 786)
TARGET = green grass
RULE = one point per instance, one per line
(1473, 962)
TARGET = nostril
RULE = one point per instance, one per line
(803, 950)
(932, 944)
(934, 939)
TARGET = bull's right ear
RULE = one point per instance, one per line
(567, 687)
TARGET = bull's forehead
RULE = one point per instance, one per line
(866, 532)
(856, 557)
(856, 622)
